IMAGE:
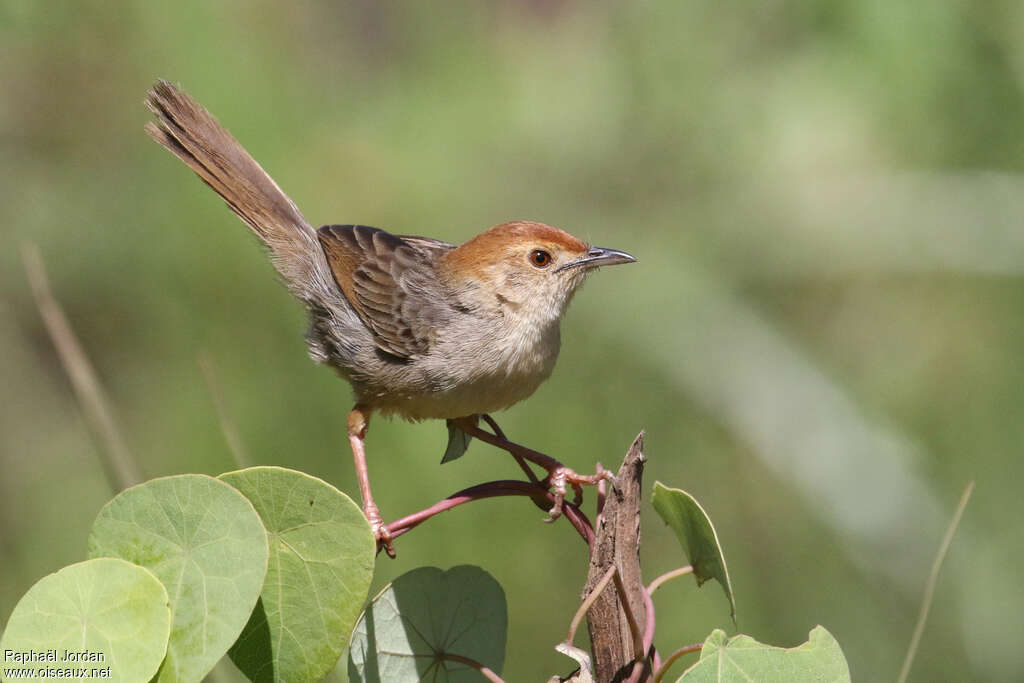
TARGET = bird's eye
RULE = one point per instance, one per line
(540, 258)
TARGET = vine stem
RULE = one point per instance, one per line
(668, 576)
(493, 489)
(560, 477)
(519, 458)
(484, 671)
(647, 643)
(588, 601)
(670, 660)
(499, 440)
(642, 642)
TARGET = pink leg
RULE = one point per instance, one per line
(358, 423)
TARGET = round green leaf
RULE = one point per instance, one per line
(696, 534)
(321, 564)
(425, 615)
(205, 542)
(741, 658)
(103, 618)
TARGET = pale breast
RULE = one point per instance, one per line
(470, 374)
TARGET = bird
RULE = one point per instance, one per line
(422, 329)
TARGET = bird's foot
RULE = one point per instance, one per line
(380, 531)
(561, 478)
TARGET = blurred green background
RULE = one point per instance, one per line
(822, 337)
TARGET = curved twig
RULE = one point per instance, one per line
(587, 602)
(484, 671)
(519, 459)
(670, 660)
(933, 579)
(120, 466)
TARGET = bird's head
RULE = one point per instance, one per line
(526, 268)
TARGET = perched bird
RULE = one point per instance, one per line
(420, 328)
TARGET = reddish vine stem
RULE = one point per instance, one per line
(493, 489)
(536, 457)
(648, 662)
(519, 458)
(648, 621)
(655, 658)
(499, 440)
(560, 477)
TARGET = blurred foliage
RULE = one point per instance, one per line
(822, 336)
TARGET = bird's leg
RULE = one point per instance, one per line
(358, 423)
(559, 478)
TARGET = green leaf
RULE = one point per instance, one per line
(458, 442)
(321, 564)
(697, 536)
(109, 614)
(425, 614)
(205, 542)
(741, 658)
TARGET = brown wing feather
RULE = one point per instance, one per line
(390, 283)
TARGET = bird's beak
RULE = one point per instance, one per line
(598, 256)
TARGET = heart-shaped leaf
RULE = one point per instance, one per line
(741, 658)
(418, 628)
(696, 534)
(321, 564)
(103, 618)
(205, 542)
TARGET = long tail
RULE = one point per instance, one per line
(192, 134)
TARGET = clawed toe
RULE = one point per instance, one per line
(380, 531)
(384, 541)
(561, 478)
